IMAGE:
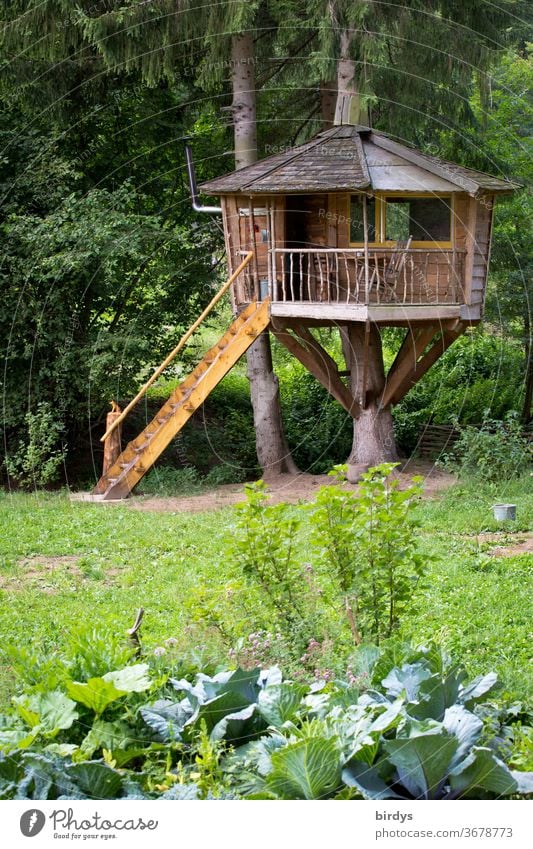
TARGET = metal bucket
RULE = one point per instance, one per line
(504, 512)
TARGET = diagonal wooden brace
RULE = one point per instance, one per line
(319, 363)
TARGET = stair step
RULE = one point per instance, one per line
(124, 465)
(140, 470)
(190, 408)
(162, 419)
(141, 448)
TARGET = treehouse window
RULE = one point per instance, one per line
(425, 219)
(357, 229)
(393, 218)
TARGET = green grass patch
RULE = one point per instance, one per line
(63, 564)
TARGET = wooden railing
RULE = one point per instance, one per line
(330, 275)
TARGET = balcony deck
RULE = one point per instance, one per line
(387, 286)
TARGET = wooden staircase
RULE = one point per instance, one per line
(142, 452)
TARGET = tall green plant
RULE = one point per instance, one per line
(262, 544)
(366, 539)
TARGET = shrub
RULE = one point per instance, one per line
(362, 563)
(366, 539)
(479, 372)
(40, 454)
(498, 451)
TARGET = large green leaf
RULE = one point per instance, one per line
(361, 727)
(423, 761)
(96, 694)
(95, 779)
(478, 688)
(482, 770)
(167, 718)
(368, 781)
(524, 781)
(406, 681)
(56, 712)
(465, 726)
(213, 711)
(279, 703)
(236, 727)
(308, 769)
(131, 679)
(27, 710)
(107, 735)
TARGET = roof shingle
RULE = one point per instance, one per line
(345, 159)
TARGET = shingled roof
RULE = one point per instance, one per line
(352, 158)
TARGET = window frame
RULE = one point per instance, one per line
(381, 206)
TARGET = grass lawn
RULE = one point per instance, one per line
(63, 564)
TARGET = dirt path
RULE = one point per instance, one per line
(290, 488)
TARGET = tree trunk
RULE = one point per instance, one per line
(349, 109)
(373, 432)
(528, 387)
(272, 451)
(328, 103)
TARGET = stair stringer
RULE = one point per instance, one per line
(142, 452)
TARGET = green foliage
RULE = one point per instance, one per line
(479, 375)
(367, 541)
(40, 453)
(418, 731)
(262, 545)
(165, 480)
(318, 430)
(496, 452)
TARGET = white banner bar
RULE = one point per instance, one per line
(264, 825)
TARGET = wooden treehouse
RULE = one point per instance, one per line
(350, 229)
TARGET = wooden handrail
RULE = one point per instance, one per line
(160, 369)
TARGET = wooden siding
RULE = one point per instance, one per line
(323, 221)
(481, 256)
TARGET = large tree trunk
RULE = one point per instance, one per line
(328, 103)
(349, 108)
(373, 433)
(272, 451)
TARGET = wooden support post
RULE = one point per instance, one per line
(318, 362)
(112, 445)
(411, 350)
(395, 392)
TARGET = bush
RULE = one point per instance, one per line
(40, 455)
(496, 452)
(357, 579)
(479, 373)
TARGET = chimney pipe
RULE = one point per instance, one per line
(192, 185)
